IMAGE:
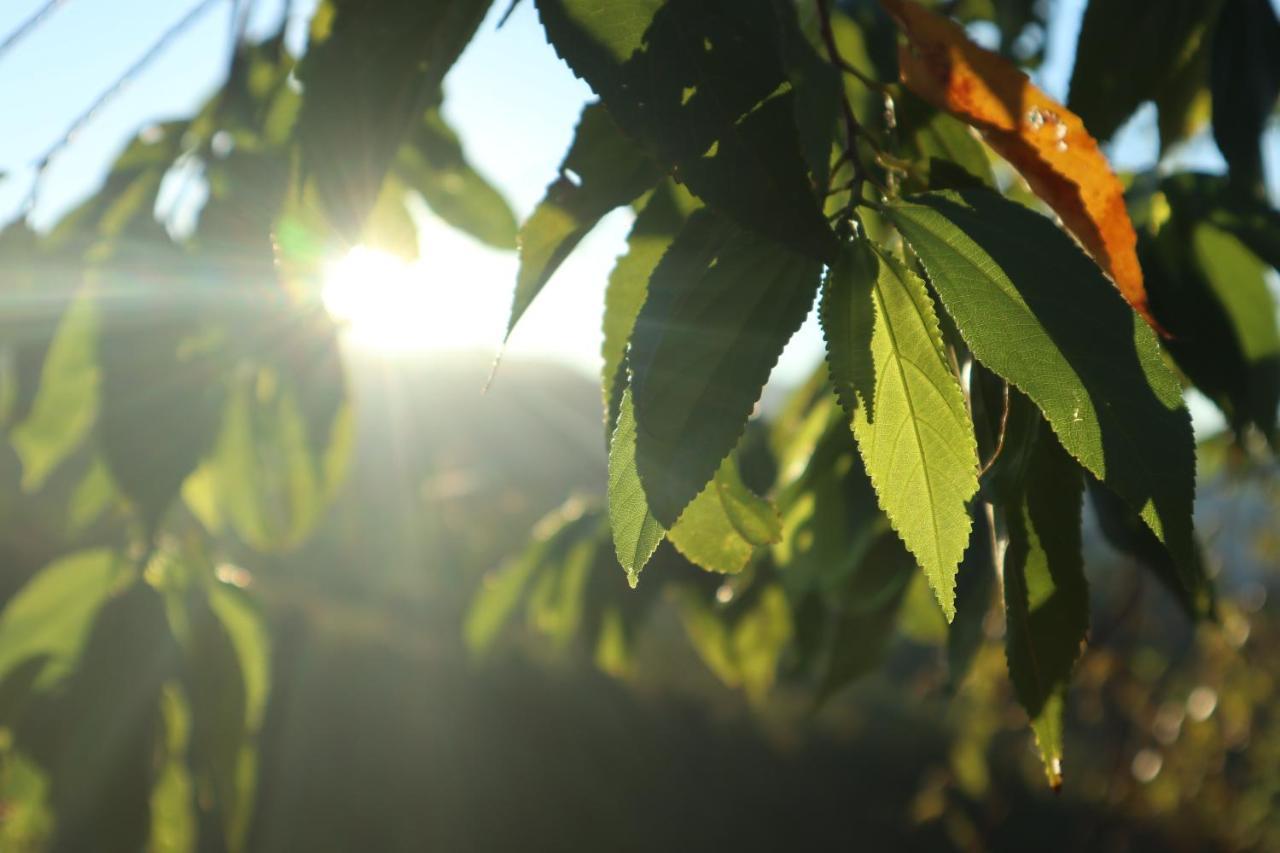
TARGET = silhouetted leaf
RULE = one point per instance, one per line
(702, 85)
(368, 78)
(848, 318)
(1129, 52)
(722, 303)
(603, 170)
(1035, 311)
(1245, 77)
(975, 587)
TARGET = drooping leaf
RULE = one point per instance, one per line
(818, 89)
(1245, 79)
(721, 305)
(431, 161)
(655, 227)
(369, 75)
(1046, 596)
(1042, 139)
(1129, 52)
(604, 169)
(636, 533)
(1035, 311)
(66, 402)
(725, 524)
(702, 85)
(51, 615)
(913, 430)
(848, 316)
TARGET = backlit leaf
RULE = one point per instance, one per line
(636, 533)
(701, 84)
(915, 435)
(725, 524)
(1035, 311)
(1042, 139)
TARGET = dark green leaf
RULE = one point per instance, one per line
(1036, 311)
(603, 170)
(725, 524)
(975, 587)
(722, 303)
(1129, 51)
(946, 151)
(702, 85)
(848, 318)
(366, 84)
(1245, 78)
(1046, 596)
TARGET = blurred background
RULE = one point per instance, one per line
(367, 653)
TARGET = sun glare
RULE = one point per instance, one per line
(388, 304)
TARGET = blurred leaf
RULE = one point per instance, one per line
(722, 303)
(700, 83)
(99, 738)
(745, 650)
(636, 533)
(1046, 597)
(1245, 78)
(866, 612)
(1130, 52)
(661, 218)
(925, 481)
(390, 227)
(949, 152)
(367, 81)
(604, 169)
(1036, 312)
(51, 615)
(721, 529)
(432, 162)
(66, 404)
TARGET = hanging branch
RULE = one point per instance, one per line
(120, 84)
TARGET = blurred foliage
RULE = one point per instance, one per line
(245, 609)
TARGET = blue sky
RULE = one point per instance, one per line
(513, 102)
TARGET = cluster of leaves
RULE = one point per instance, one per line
(173, 393)
(986, 369)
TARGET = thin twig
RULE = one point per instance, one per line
(1004, 429)
(42, 164)
(36, 18)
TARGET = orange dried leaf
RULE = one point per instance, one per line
(1042, 139)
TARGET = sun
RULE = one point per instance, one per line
(386, 303)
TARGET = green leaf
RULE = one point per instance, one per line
(848, 316)
(701, 84)
(636, 533)
(721, 529)
(818, 87)
(367, 81)
(975, 585)
(1129, 51)
(945, 149)
(1046, 596)
(603, 170)
(432, 162)
(722, 303)
(1245, 80)
(656, 226)
(51, 614)
(915, 436)
(1036, 311)
(66, 403)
